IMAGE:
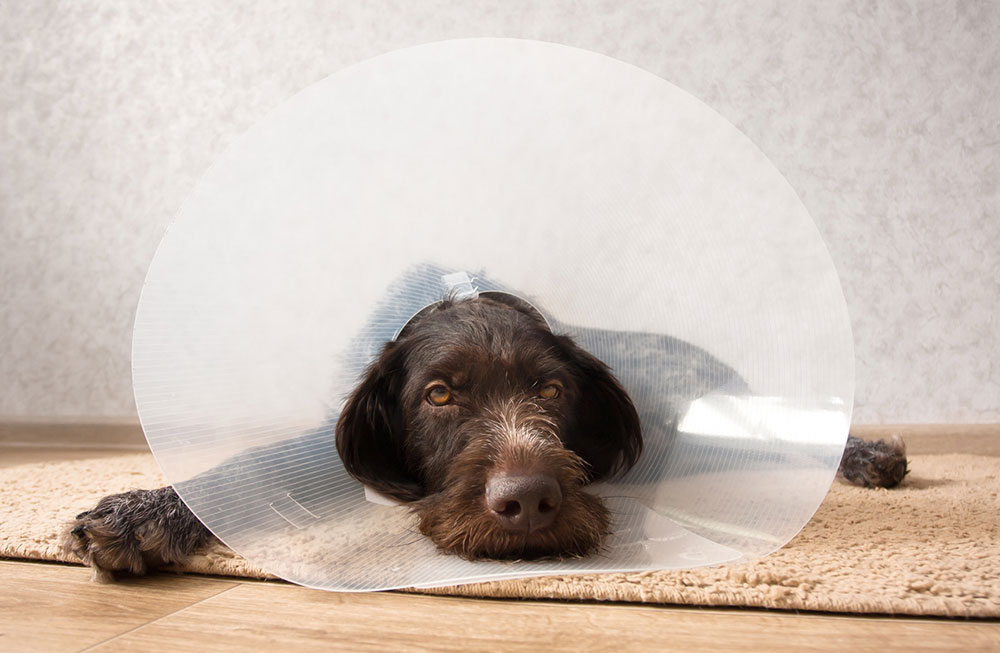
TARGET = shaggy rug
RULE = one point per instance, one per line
(929, 547)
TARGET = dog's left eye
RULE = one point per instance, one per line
(438, 395)
(550, 391)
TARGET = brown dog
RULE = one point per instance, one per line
(480, 418)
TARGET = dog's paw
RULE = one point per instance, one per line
(874, 464)
(134, 532)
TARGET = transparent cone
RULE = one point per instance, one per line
(631, 215)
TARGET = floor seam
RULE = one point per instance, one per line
(162, 616)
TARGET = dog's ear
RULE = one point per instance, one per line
(371, 433)
(607, 433)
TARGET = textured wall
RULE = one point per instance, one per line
(885, 119)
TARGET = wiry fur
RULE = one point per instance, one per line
(135, 531)
(495, 355)
(874, 464)
(519, 436)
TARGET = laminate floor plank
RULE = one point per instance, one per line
(288, 618)
(12, 456)
(50, 607)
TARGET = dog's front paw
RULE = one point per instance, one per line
(874, 464)
(134, 532)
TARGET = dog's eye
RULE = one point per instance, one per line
(438, 395)
(550, 391)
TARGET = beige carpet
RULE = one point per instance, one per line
(930, 547)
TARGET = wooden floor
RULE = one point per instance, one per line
(53, 607)
(49, 607)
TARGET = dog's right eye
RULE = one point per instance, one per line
(438, 395)
(549, 391)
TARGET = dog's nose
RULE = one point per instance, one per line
(523, 503)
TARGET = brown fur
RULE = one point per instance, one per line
(494, 355)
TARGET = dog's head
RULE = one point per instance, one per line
(490, 425)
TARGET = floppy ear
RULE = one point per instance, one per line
(371, 433)
(607, 433)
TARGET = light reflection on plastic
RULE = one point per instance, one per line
(745, 417)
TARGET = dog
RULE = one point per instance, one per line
(483, 421)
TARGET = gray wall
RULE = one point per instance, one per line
(884, 117)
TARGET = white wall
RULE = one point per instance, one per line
(885, 119)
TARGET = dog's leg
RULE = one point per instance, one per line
(135, 531)
(874, 464)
